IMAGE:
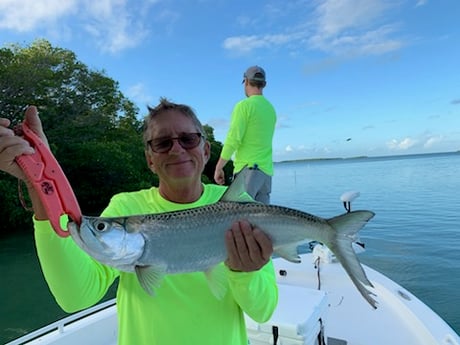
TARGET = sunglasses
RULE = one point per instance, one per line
(187, 141)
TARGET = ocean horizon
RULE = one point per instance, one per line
(400, 156)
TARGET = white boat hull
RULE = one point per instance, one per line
(401, 318)
(336, 312)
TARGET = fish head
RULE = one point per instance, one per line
(108, 240)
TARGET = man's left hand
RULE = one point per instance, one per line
(248, 248)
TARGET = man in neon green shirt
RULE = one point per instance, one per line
(183, 310)
(250, 138)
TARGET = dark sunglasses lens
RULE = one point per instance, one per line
(189, 140)
(161, 146)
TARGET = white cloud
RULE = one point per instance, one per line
(245, 44)
(115, 25)
(426, 141)
(401, 145)
(341, 27)
(432, 141)
(335, 16)
(304, 150)
(27, 15)
(373, 42)
(352, 27)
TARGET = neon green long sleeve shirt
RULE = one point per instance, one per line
(250, 134)
(183, 310)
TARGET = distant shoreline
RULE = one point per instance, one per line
(413, 155)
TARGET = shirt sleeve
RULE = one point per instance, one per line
(75, 279)
(255, 292)
(235, 133)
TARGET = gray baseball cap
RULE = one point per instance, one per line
(254, 73)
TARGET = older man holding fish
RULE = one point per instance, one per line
(181, 308)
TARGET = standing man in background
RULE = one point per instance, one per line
(250, 137)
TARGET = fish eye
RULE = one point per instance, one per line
(101, 226)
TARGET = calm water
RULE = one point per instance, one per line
(415, 236)
(413, 239)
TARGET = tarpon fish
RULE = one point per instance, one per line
(193, 240)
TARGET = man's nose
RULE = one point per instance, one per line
(176, 147)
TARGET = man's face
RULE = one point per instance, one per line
(178, 165)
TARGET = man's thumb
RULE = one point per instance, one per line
(33, 121)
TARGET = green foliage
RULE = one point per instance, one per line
(93, 129)
(91, 126)
(216, 149)
(13, 216)
(113, 167)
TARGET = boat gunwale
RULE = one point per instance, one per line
(61, 325)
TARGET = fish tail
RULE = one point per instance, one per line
(346, 227)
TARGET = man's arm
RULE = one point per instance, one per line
(219, 174)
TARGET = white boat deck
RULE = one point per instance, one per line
(401, 318)
(338, 309)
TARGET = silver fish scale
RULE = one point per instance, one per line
(193, 239)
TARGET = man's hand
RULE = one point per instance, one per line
(219, 176)
(12, 146)
(248, 248)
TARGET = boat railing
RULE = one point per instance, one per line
(62, 325)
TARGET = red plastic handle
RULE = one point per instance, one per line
(50, 182)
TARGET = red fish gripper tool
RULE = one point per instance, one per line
(49, 181)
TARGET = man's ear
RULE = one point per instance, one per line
(149, 161)
(207, 150)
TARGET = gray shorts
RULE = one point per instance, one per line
(257, 183)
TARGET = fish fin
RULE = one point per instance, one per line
(217, 281)
(288, 253)
(346, 227)
(346, 255)
(350, 223)
(149, 277)
(236, 192)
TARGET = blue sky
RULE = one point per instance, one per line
(347, 77)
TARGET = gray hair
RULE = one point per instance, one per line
(166, 105)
